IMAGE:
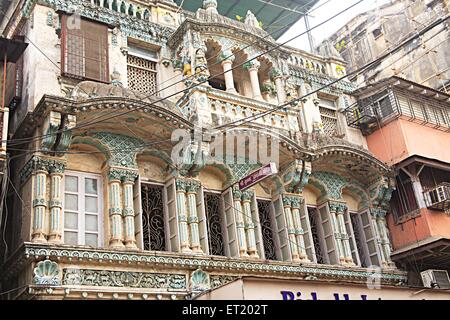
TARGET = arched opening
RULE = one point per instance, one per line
(139, 13)
(123, 8)
(114, 6)
(131, 10)
(146, 15)
(241, 76)
(217, 79)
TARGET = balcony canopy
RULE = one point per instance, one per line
(277, 16)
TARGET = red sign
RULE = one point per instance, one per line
(258, 176)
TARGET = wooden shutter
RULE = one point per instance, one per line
(232, 247)
(258, 229)
(373, 251)
(281, 229)
(405, 107)
(137, 203)
(85, 50)
(309, 242)
(417, 108)
(331, 254)
(202, 222)
(170, 195)
(351, 235)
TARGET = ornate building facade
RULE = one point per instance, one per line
(99, 209)
(370, 36)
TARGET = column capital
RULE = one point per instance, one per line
(192, 186)
(296, 202)
(57, 167)
(38, 163)
(181, 185)
(252, 64)
(247, 195)
(122, 175)
(276, 73)
(337, 207)
(237, 194)
(287, 201)
(226, 56)
(378, 213)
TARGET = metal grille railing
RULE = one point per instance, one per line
(372, 113)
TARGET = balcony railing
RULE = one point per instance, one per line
(374, 112)
(227, 107)
(438, 198)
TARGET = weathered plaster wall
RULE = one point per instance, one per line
(428, 224)
(401, 139)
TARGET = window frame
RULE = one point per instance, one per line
(140, 214)
(143, 53)
(226, 248)
(81, 212)
(273, 228)
(64, 37)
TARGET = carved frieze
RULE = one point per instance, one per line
(107, 278)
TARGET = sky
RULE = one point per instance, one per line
(327, 9)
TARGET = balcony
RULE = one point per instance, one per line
(438, 198)
(227, 107)
(404, 99)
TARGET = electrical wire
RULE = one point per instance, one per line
(191, 87)
(191, 77)
(360, 70)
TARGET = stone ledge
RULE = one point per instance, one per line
(211, 264)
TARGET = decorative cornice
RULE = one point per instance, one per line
(317, 80)
(70, 106)
(38, 163)
(66, 253)
(130, 26)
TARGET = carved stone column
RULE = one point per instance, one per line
(55, 225)
(253, 67)
(182, 217)
(277, 77)
(39, 205)
(115, 210)
(287, 202)
(385, 244)
(337, 232)
(299, 232)
(240, 223)
(192, 188)
(227, 58)
(345, 238)
(249, 224)
(128, 211)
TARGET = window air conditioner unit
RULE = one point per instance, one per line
(435, 279)
(439, 197)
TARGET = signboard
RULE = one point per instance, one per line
(290, 290)
(258, 176)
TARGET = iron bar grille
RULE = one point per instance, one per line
(214, 220)
(153, 218)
